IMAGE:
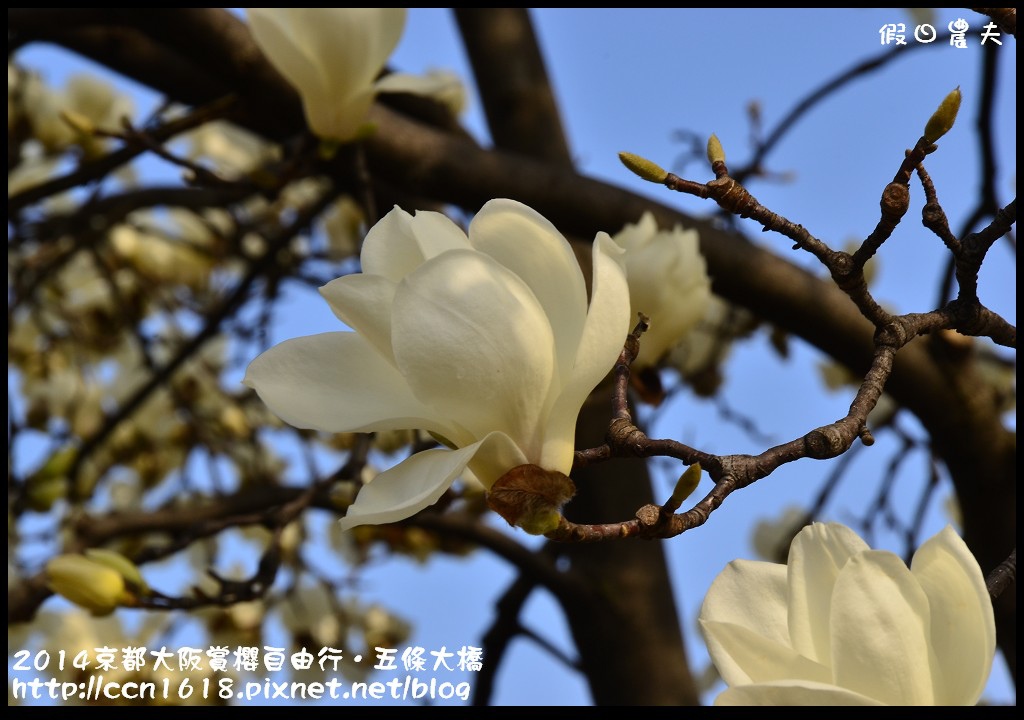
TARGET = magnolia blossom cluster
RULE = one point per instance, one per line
(842, 624)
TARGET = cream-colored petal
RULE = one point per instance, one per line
(749, 595)
(639, 234)
(363, 302)
(522, 240)
(745, 656)
(880, 630)
(668, 282)
(427, 85)
(473, 343)
(354, 43)
(442, 86)
(418, 481)
(332, 56)
(498, 454)
(336, 382)
(338, 118)
(752, 594)
(402, 491)
(816, 556)
(272, 28)
(963, 632)
(604, 334)
(399, 243)
(792, 693)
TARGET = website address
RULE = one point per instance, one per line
(98, 688)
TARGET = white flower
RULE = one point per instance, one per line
(668, 282)
(843, 624)
(233, 151)
(333, 56)
(485, 341)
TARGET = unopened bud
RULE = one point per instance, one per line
(942, 120)
(643, 167)
(87, 583)
(116, 561)
(685, 486)
(49, 483)
(715, 151)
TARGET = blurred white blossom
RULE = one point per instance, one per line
(333, 57)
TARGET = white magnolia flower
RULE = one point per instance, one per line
(668, 282)
(485, 341)
(843, 624)
(333, 56)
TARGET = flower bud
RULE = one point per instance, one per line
(87, 583)
(715, 151)
(685, 486)
(116, 561)
(942, 120)
(643, 167)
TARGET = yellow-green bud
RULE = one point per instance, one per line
(87, 583)
(643, 167)
(942, 120)
(116, 561)
(715, 151)
(686, 484)
(327, 149)
(541, 521)
(50, 482)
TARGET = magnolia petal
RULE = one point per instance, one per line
(668, 283)
(336, 382)
(399, 243)
(816, 556)
(419, 480)
(496, 456)
(963, 632)
(473, 343)
(745, 656)
(751, 594)
(352, 44)
(363, 302)
(880, 630)
(526, 243)
(639, 234)
(272, 28)
(331, 56)
(339, 119)
(796, 692)
(604, 335)
(426, 85)
(412, 485)
(747, 594)
(442, 86)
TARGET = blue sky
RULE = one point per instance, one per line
(628, 79)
